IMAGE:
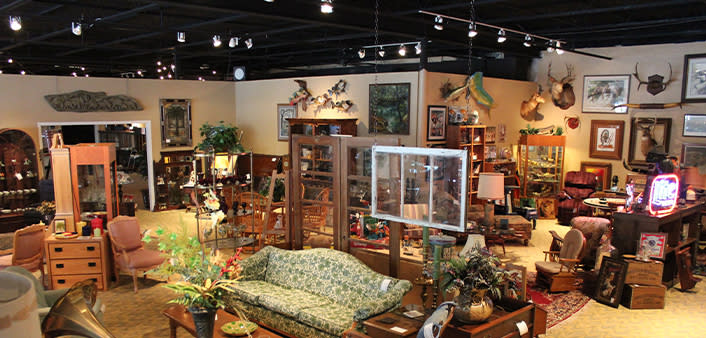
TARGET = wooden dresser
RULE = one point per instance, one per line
(74, 260)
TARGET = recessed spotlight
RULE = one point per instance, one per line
(327, 6)
(418, 48)
(528, 41)
(234, 41)
(76, 28)
(248, 43)
(181, 36)
(361, 53)
(501, 36)
(472, 32)
(381, 52)
(439, 23)
(402, 51)
(216, 41)
(15, 23)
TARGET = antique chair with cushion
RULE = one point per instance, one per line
(593, 229)
(558, 270)
(27, 250)
(128, 250)
(578, 185)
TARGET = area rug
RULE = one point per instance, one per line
(559, 306)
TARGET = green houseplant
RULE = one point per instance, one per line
(220, 138)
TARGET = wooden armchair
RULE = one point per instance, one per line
(558, 270)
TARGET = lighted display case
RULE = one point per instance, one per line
(93, 177)
(540, 164)
(18, 178)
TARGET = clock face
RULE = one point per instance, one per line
(239, 74)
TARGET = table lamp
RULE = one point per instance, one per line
(490, 187)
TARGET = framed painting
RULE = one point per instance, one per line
(694, 81)
(518, 276)
(645, 135)
(546, 208)
(284, 112)
(606, 139)
(694, 125)
(652, 245)
(175, 122)
(436, 123)
(602, 171)
(605, 93)
(59, 225)
(611, 279)
(389, 108)
(694, 155)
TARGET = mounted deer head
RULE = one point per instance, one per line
(529, 108)
(655, 83)
(562, 91)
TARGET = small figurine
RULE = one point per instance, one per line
(278, 222)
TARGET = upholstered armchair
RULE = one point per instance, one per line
(558, 270)
(27, 250)
(578, 185)
(128, 250)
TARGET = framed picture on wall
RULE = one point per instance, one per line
(284, 112)
(389, 108)
(694, 155)
(436, 123)
(694, 80)
(602, 171)
(645, 134)
(694, 125)
(606, 139)
(611, 279)
(175, 122)
(605, 93)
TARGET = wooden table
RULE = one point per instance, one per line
(397, 325)
(179, 316)
(521, 227)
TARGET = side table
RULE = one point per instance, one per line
(392, 324)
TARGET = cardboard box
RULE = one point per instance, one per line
(637, 296)
(644, 273)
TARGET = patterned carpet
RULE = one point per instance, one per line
(559, 306)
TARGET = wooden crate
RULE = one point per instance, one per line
(644, 273)
(636, 296)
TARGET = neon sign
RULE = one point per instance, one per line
(664, 192)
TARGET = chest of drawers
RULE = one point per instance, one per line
(73, 260)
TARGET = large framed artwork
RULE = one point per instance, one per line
(606, 139)
(602, 171)
(436, 123)
(645, 134)
(389, 108)
(175, 122)
(284, 112)
(694, 155)
(611, 279)
(694, 81)
(605, 93)
(694, 125)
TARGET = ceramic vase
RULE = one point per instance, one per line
(204, 320)
(473, 306)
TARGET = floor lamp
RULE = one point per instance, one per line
(490, 187)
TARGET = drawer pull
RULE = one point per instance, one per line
(60, 266)
(92, 264)
(95, 279)
(58, 249)
(91, 248)
(61, 281)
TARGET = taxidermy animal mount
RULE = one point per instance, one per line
(529, 109)
(301, 95)
(655, 83)
(562, 90)
(473, 87)
(82, 101)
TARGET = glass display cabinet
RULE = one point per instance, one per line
(173, 171)
(18, 178)
(93, 177)
(540, 164)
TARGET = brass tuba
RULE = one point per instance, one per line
(72, 314)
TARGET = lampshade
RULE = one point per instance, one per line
(18, 306)
(490, 186)
(225, 161)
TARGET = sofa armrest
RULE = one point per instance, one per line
(51, 296)
(255, 266)
(390, 300)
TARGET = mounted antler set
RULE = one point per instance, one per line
(655, 83)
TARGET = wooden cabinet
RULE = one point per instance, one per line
(73, 260)
(19, 183)
(471, 138)
(93, 178)
(322, 127)
(173, 171)
(540, 165)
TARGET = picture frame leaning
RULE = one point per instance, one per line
(611, 279)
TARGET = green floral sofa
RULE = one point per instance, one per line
(312, 293)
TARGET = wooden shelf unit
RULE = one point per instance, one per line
(471, 138)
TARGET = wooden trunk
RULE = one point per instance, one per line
(637, 296)
(645, 273)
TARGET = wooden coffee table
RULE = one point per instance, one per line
(179, 316)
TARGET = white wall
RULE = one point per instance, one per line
(653, 59)
(256, 104)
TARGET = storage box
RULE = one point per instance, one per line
(637, 296)
(644, 273)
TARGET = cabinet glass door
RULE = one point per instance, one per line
(91, 190)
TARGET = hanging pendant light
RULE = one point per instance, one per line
(234, 41)
(558, 48)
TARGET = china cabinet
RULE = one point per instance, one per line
(18, 178)
(93, 178)
(471, 138)
(173, 171)
(540, 165)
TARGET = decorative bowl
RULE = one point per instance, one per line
(239, 328)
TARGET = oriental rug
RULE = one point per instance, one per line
(559, 306)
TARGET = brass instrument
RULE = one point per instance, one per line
(72, 314)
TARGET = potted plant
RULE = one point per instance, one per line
(474, 278)
(220, 138)
(202, 283)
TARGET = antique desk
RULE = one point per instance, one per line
(681, 226)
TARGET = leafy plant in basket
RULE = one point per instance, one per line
(220, 138)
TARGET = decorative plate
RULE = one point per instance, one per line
(65, 235)
(239, 328)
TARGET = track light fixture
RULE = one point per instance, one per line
(10, 60)
(361, 53)
(248, 43)
(234, 41)
(418, 48)
(501, 36)
(550, 46)
(217, 41)
(15, 23)
(558, 48)
(439, 23)
(402, 51)
(269, 0)
(23, 72)
(472, 31)
(528, 41)
(381, 52)
(327, 6)
(181, 37)
(76, 28)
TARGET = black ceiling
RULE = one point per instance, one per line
(293, 38)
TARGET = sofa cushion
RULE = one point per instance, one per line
(290, 302)
(249, 291)
(331, 318)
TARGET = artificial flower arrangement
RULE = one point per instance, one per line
(213, 205)
(480, 270)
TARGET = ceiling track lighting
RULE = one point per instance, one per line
(248, 43)
(558, 48)
(234, 41)
(76, 28)
(181, 37)
(472, 31)
(10, 60)
(402, 51)
(528, 41)
(439, 23)
(361, 53)
(217, 41)
(327, 6)
(418, 48)
(501, 36)
(550, 46)
(381, 52)
(15, 23)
